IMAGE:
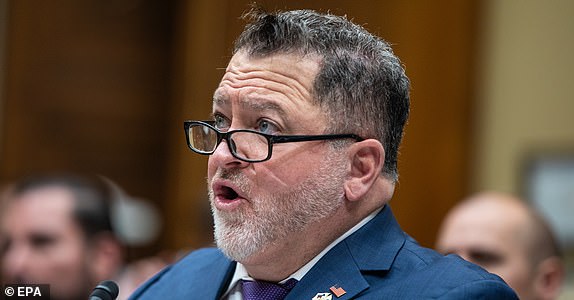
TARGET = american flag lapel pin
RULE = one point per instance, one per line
(338, 291)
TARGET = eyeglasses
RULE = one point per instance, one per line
(244, 144)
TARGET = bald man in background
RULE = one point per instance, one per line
(504, 235)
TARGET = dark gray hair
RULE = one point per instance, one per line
(361, 84)
(92, 198)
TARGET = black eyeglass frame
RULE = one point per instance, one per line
(271, 139)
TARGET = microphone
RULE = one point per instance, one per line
(106, 290)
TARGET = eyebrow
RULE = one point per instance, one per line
(485, 256)
(251, 104)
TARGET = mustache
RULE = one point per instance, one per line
(233, 175)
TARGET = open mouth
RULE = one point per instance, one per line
(227, 193)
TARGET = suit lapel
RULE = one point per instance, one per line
(336, 268)
(210, 282)
(225, 279)
(375, 246)
(371, 248)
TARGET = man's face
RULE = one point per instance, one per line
(40, 243)
(490, 236)
(262, 206)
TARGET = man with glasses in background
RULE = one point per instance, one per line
(303, 145)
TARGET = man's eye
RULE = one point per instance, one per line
(486, 259)
(42, 241)
(266, 127)
(221, 122)
(5, 245)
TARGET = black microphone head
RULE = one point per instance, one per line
(106, 290)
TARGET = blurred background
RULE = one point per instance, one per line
(103, 86)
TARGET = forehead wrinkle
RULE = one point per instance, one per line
(284, 80)
(295, 72)
(273, 82)
(252, 103)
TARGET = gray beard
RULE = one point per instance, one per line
(244, 233)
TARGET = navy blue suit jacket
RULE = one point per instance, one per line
(379, 261)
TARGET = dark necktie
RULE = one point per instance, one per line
(264, 290)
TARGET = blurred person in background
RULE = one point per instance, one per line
(507, 237)
(57, 229)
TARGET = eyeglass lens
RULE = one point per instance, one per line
(243, 144)
(202, 138)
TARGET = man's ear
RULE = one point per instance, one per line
(367, 159)
(549, 278)
(106, 256)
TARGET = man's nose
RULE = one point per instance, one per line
(15, 262)
(223, 157)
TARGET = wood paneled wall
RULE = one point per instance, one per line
(103, 86)
(87, 89)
